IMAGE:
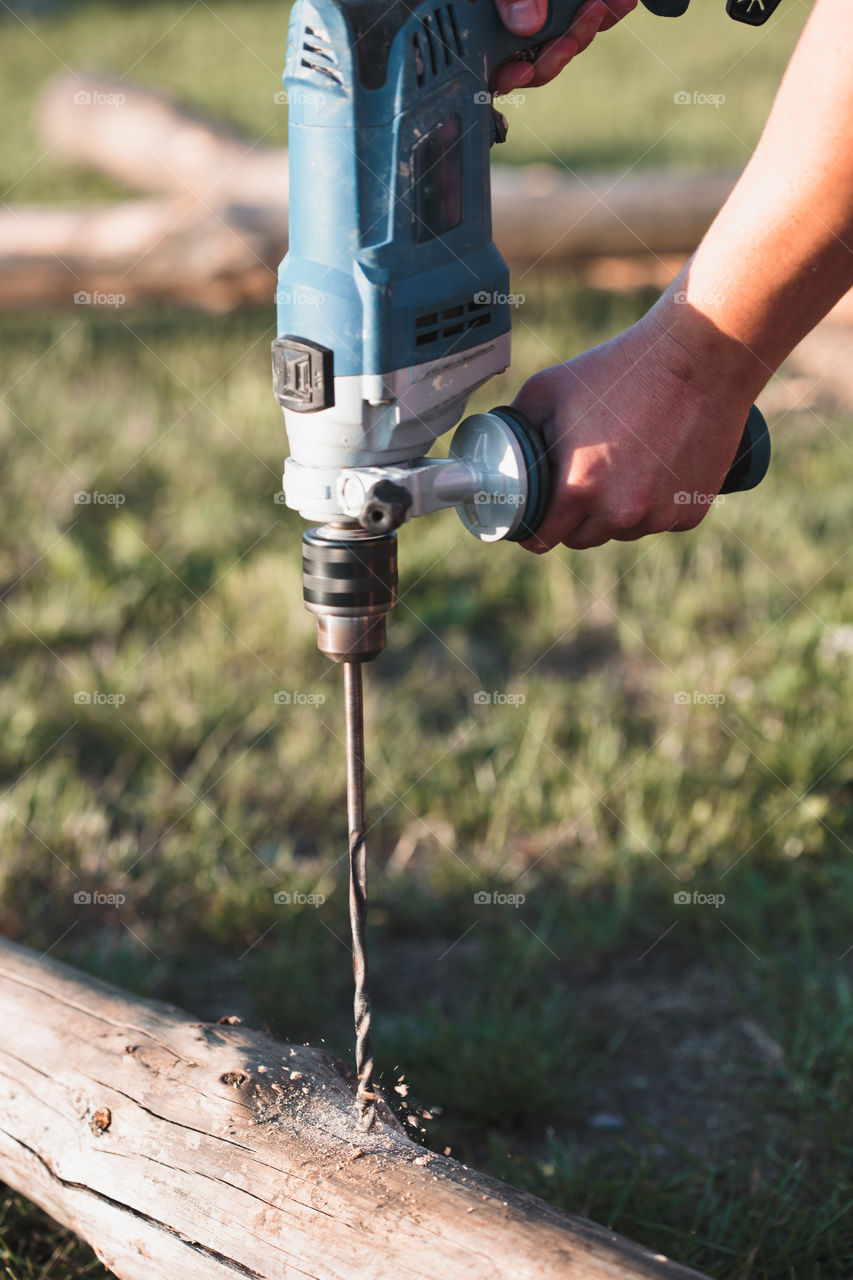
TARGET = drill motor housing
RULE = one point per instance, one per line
(393, 299)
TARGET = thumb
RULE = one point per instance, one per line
(537, 401)
(522, 17)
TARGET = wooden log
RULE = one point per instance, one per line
(541, 215)
(207, 1151)
(167, 250)
(150, 143)
(824, 362)
(217, 237)
(185, 252)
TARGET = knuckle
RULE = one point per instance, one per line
(632, 511)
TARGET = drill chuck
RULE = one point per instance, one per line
(349, 580)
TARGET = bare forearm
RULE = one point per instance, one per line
(638, 425)
(780, 253)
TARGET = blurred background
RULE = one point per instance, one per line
(666, 720)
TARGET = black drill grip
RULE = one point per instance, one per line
(753, 455)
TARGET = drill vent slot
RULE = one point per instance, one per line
(437, 45)
(318, 55)
(452, 322)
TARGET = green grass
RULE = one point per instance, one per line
(597, 798)
(31, 1248)
(681, 1073)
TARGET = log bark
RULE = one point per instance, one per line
(208, 1151)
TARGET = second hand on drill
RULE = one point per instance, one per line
(356, 822)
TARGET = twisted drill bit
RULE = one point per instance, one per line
(365, 1096)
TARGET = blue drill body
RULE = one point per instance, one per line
(390, 217)
(393, 299)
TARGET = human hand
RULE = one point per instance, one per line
(640, 436)
(526, 17)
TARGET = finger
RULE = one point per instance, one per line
(514, 75)
(619, 9)
(599, 15)
(559, 524)
(556, 55)
(522, 17)
(537, 545)
(536, 399)
(592, 17)
(588, 21)
(654, 524)
(563, 518)
(592, 532)
(631, 535)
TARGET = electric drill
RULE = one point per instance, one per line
(393, 307)
(393, 300)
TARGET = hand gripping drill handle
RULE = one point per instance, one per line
(375, 23)
(747, 470)
(504, 44)
(497, 477)
(393, 299)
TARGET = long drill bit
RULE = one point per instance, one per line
(365, 1097)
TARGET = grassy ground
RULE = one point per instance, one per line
(679, 1071)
